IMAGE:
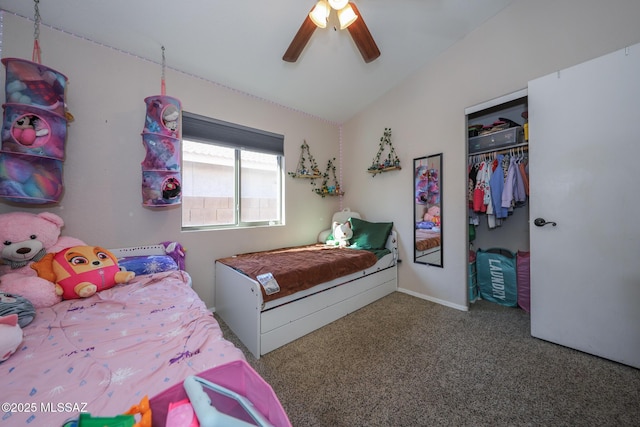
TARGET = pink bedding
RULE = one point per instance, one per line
(104, 353)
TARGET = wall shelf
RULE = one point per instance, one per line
(302, 170)
(387, 169)
(391, 162)
(329, 176)
(320, 192)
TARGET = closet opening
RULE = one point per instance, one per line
(498, 201)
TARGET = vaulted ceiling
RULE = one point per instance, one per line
(240, 43)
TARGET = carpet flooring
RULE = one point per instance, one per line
(404, 361)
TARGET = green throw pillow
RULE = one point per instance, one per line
(369, 235)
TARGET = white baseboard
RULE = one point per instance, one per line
(436, 300)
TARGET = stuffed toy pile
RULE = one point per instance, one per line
(431, 219)
(433, 215)
(15, 304)
(27, 238)
(10, 336)
(81, 271)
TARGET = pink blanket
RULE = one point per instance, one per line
(103, 354)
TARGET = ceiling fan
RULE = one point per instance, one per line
(349, 18)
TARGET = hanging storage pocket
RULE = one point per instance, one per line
(496, 269)
(161, 188)
(161, 138)
(31, 130)
(34, 84)
(25, 178)
(33, 135)
(162, 152)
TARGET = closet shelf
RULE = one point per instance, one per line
(502, 150)
(496, 140)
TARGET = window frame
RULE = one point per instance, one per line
(207, 130)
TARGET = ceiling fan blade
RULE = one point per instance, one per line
(300, 40)
(363, 38)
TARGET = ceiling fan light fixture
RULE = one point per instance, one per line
(346, 16)
(338, 4)
(320, 13)
(349, 17)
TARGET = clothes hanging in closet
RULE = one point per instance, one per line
(498, 183)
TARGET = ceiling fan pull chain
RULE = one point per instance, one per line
(35, 56)
(163, 86)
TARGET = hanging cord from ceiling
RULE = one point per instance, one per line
(36, 57)
(163, 86)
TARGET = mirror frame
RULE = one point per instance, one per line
(427, 192)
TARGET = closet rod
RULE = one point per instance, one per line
(523, 146)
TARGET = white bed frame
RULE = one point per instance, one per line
(431, 256)
(263, 327)
(138, 251)
(144, 250)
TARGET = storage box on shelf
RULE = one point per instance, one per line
(495, 140)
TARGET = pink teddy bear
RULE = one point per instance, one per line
(433, 215)
(432, 212)
(24, 239)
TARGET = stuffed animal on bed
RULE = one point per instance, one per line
(15, 304)
(81, 271)
(10, 336)
(433, 215)
(342, 232)
(26, 238)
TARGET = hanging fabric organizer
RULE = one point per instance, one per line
(34, 130)
(161, 138)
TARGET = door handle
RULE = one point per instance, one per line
(541, 222)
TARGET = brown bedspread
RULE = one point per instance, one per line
(427, 239)
(301, 267)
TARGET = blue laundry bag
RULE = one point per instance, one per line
(496, 276)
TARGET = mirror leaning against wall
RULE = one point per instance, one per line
(427, 212)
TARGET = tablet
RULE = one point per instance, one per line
(216, 406)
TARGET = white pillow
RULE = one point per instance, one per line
(323, 236)
(344, 215)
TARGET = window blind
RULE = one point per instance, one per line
(206, 129)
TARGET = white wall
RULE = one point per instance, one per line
(527, 40)
(426, 113)
(102, 175)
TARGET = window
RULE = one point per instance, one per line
(232, 176)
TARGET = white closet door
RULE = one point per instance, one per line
(585, 176)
